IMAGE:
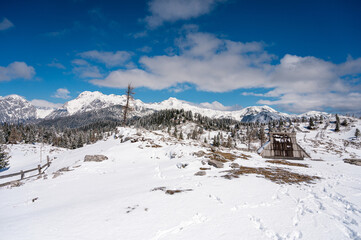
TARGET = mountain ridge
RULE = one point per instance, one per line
(14, 108)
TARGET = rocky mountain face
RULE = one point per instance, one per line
(14, 108)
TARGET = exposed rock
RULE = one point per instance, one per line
(200, 173)
(199, 153)
(234, 165)
(126, 139)
(95, 158)
(353, 161)
(215, 163)
(182, 165)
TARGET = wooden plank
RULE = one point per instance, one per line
(23, 172)
(10, 175)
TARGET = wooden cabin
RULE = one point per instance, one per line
(283, 145)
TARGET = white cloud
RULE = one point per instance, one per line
(308, 83)
(110, 59)
(219, 65)
(56, 65)
(44, 104)
(219, 106)
(174, 10)
(80, 62)
(5, 24)
(210, 63)
(253, 94)
(145, 49)
(62, 93)
(85, 70)
(16, 70)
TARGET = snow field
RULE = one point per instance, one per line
(114, 199)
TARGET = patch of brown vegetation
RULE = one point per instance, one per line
(221, 156)
(169, 191)
(284, 162)
(277, 175)
(205, 168)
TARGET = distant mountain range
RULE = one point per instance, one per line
(14, 108)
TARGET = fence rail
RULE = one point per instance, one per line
(22, 172)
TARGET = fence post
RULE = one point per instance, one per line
(22, 174)
(39, 168)
(48, 160)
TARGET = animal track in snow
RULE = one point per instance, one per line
(247, 205)
(159, 173)
(294, 235)
(196, 219)
(217, 199)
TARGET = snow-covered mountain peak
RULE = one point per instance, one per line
(14, 108)
(87, 101)
(15, 97)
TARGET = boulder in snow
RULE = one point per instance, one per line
(215, 163)
(95, 158)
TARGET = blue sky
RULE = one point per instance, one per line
(295, 56)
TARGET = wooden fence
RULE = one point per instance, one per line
(22, 172)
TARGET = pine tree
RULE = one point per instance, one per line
(357, 133)
(181, 135)
(127, 108)
(262, 136)
(175, 132)
(311, 124)
(2, 137)
(337, 129)
(344, 123)
(3, 157)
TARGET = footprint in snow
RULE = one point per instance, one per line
(217, 199)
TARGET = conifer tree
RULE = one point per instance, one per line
(337, 129)
(127, 108)
(181, 135)
(311, 124)
(3, 157)
(357, 133)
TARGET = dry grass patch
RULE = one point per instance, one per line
(277, 175)
(221, 156)
(156, 146)
(284, 162)
(205, 168)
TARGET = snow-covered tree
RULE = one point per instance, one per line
(311, 123)
(3, 157)
(357, 133)
(337, 128)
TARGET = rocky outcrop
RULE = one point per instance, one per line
(215, 163)
(95, 158)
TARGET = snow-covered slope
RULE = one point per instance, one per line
(315, 114)
(125, 197)
(249, 114)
